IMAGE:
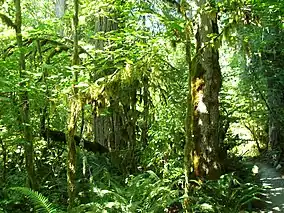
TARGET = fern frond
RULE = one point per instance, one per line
(41, 203)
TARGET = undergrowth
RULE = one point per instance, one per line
(146, 192)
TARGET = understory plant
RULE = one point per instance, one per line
(40, 202)
(145, 192)
(227, 194)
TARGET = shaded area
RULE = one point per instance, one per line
(59, 136)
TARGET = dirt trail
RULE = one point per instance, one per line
(274, 184)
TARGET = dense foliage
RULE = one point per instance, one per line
(138, 106)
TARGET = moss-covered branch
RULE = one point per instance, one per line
(59, 46)
(58, 136)
(7, 21)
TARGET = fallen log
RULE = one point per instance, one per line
(59, 136)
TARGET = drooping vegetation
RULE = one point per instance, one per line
(138, 106)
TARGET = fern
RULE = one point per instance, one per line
(41, 203)
(227, 194)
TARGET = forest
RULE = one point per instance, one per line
(144, 106)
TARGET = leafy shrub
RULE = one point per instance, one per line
(10, 201)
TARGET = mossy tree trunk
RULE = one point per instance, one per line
(24, 102)
(71, 158)
(117, 129)
(73, 117)
(188, 149)
(145, 121)
(104, 128)
(205, 87)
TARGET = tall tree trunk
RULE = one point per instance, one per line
(188, 148)
(145, 122)
(73, 117)
(71, 159)
(274, 102)
(59, 12)
(206, 85)
(25, 110)
(59, 8)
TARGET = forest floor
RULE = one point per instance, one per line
(273, 182)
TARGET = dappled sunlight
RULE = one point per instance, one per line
(273, 184)
(201, 106)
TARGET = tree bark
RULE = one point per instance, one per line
(188, 148)
(145, 122)
(274, 102)
(71, 159)
(206, 84)
(73, 117)
(59, 8)
(25, 110)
